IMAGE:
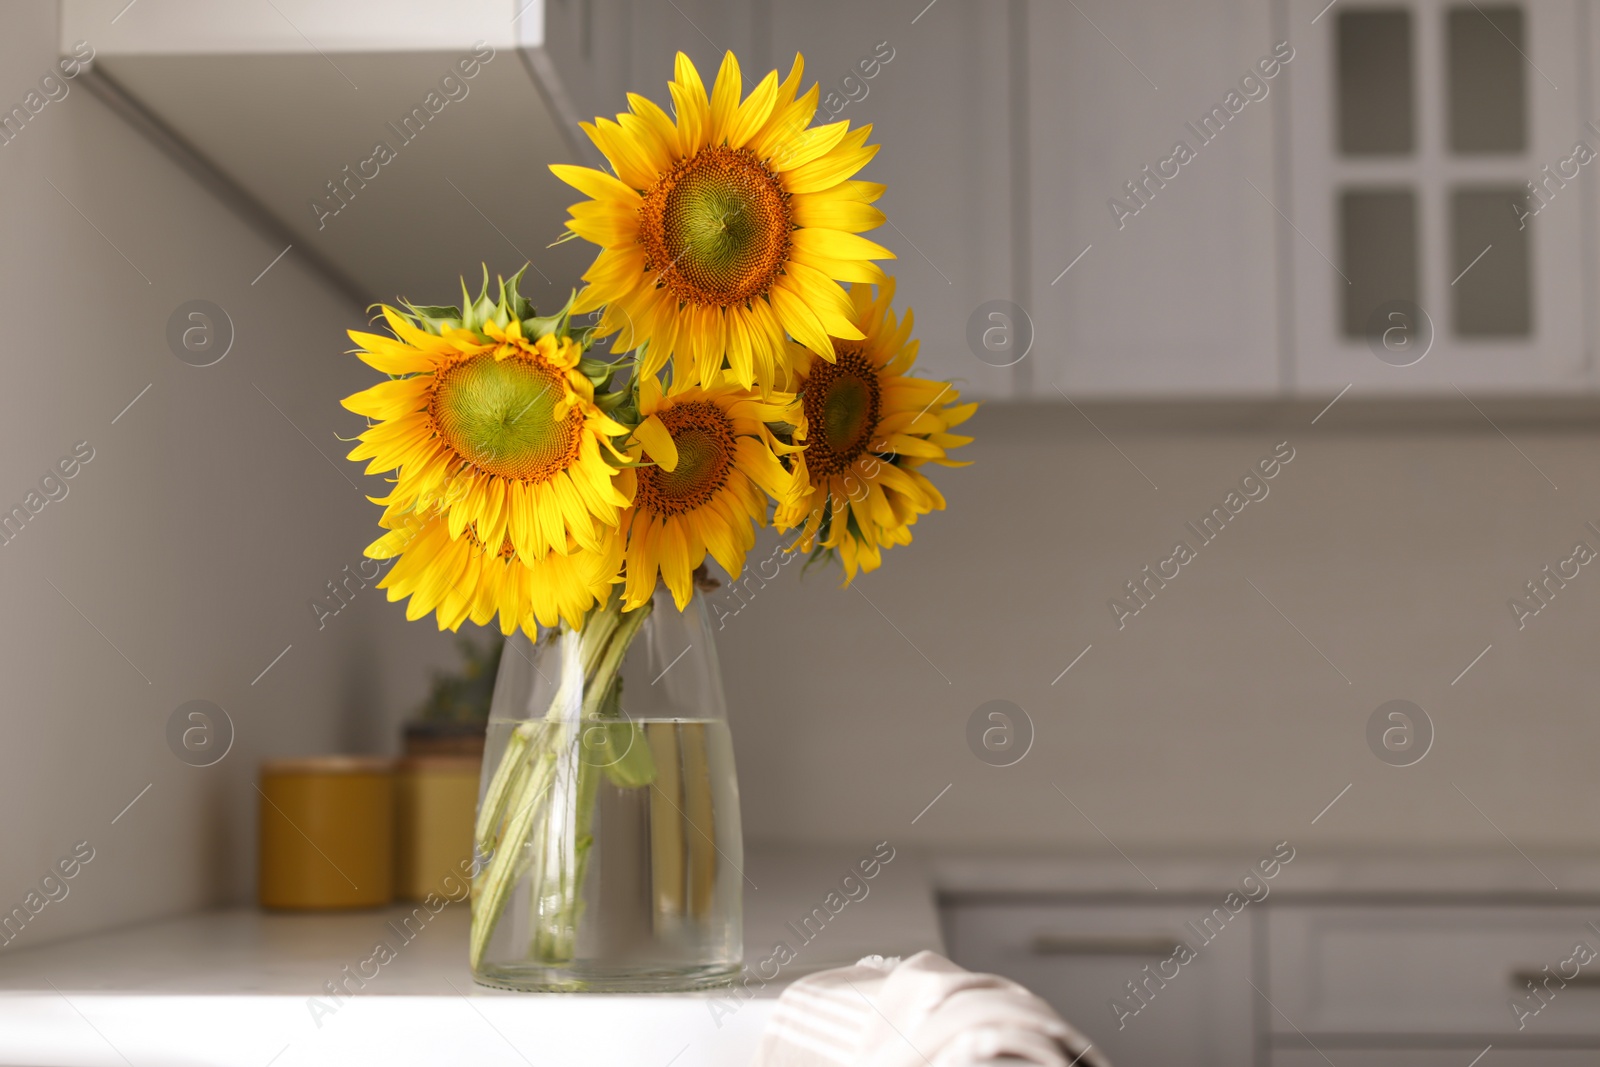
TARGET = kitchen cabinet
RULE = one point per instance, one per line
(1420, 260)
(1082, 959)
(1396, 979)
(1177, 290)
(599, 51)
(1295, 251)
(1099, 199)
(938, 86)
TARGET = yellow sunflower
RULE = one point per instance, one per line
(459, 578)
(726, 228)
(497, 429)
(713, 456)
(867, 427)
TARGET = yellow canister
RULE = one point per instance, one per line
(327, 832)
(436, 799)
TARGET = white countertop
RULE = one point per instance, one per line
(236, 987)
(245, 987)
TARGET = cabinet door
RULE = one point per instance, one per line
(1421, 261)
(936, 87)
(1177, 288)
(590, 54)
(1081, 959)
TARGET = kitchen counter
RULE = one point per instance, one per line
(249, 988)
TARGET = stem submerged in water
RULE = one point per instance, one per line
(539, 806)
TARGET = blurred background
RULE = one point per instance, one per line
(1163, 242)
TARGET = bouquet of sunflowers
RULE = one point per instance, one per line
(540, 485)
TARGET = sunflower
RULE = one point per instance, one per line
(726, 228)
(867, 427)
(460, 578)
(712, 457)
(496, 429)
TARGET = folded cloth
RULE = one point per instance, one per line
(924, 1012)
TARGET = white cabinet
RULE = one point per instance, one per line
(1177, 293)
(602, 50)
(1217, 199)
(1420, 980)
(1371, 194)
(1082, 959)
(939, 99)
(1414, 132)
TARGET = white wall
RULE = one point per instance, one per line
(1207, 721)
(190, 542)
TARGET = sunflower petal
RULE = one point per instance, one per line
(725, 98)
(689, 98)
(802, 324)
(830, 170)
(657, 442)
(595, 183)
(754, 112)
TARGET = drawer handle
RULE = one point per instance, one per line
(1584, 980)
(1070, 945)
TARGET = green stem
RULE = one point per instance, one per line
(520, 822)
(500, 789)
(532, 771)
(563, 856)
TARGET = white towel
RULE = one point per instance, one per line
(924, 1012)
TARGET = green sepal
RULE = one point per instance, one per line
(543, 326)
(850, 525)
(819, 556)
(474, 313)
(513, 301)
(435, 313)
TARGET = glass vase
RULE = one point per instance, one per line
(608, 831)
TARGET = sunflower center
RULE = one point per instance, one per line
(705, 442)
(499, 416)
(842, 401)
(715, 229)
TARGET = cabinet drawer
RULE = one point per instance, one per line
(1081, 958)
(1431, 969)
(1457, 1057)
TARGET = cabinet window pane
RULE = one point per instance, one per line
(1493, 298)
(1375, 83)
(1378, 229)
(1487, 79)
